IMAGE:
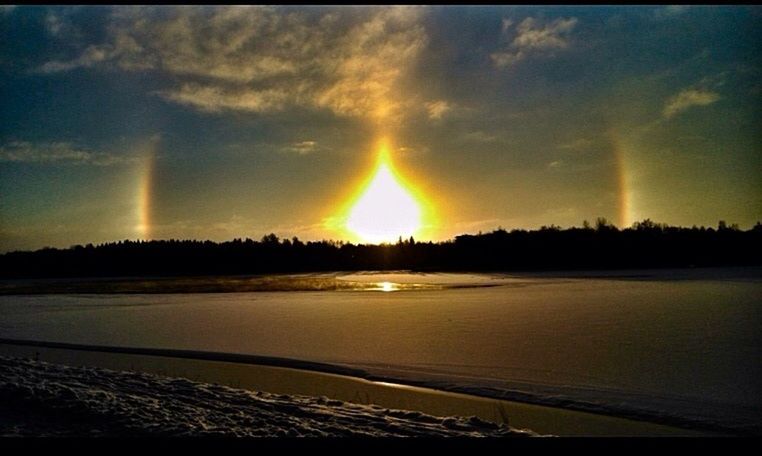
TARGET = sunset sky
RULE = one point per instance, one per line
(216, 123)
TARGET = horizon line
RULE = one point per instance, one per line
(552, 227)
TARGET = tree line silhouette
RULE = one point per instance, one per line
(602, 246)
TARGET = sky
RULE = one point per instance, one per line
(232, 122)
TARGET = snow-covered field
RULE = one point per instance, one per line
(43, 399)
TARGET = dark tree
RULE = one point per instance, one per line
(645, 245)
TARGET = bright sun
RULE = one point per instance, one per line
(386, 209)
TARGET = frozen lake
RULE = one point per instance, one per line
(669, 345)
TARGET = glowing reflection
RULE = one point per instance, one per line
(387, 286)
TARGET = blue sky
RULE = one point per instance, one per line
(215, 123)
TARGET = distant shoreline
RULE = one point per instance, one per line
(644, 246)
(332, 281)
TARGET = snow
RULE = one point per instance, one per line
(43, 399)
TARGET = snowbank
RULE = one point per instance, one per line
(42, 399)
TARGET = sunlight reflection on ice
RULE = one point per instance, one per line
(385, 287)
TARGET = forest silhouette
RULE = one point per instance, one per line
(602, 246)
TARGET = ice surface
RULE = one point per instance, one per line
(676, 346)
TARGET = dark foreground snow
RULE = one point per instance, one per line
(42, 399)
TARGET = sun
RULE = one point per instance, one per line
(387, 208)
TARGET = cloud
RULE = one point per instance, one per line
(262, 59)
(687, 99)
(507, 23)
(479, 136)
(437, 109)
(302, 148)
(53, 24)
(58, 152)
(533, 38)
(91, 56)
(669, 11)
(413, 150)
(213, 98)
(578, 145)
(504, 59)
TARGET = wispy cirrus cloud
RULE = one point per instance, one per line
(578, 145)
(262, 59)
(90, 57)
(437, 109)
(687, 99)
(58, 152)
(479, 136)
(215, 98)
(670, 11)
(302, 147)
(532, 37)
(58, 23)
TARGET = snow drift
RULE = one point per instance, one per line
(43, 399)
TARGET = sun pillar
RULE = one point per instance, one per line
(144, 195)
